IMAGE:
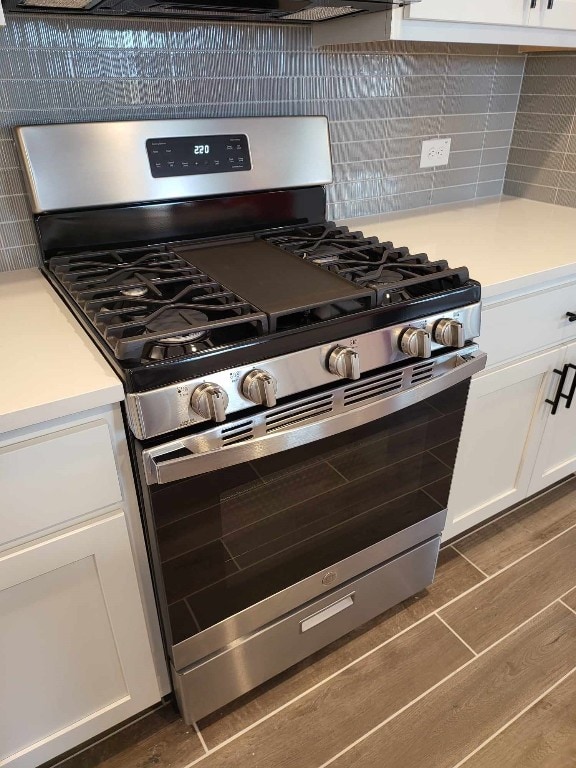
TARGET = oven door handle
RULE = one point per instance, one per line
(160, 470)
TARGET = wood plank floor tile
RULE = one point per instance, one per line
(500, 604)
(142, 745)
(453, 576)
(544, 737)
(570, 599)
(324, 721)
(442, 728)
(519, 532)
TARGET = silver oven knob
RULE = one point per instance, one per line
(415, 342)
(449, 333)
(260, 387)
(209, 401)
(344, 362)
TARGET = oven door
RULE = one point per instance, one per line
(256, 517)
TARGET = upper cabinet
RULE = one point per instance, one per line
(553, 14)
(541, 23)
(470, 11)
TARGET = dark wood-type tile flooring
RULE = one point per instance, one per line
(479, 670)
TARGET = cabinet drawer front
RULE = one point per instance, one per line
(522, 326)
(52, 480)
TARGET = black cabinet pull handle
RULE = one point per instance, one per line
(550, 5)
(533, 3)
(571, 316)
(559, 396)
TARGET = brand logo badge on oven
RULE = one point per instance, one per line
(329, 578)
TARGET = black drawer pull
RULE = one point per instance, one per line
(571, 316)
(533, 3)
(559, 396)
(550, 5)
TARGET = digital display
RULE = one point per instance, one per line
(191, 155)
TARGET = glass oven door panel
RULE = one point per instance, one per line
(233, 537)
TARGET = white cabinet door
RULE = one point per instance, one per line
(554, 14)
(556, 457)
(494, 460)
(74, 652)
(473, 11)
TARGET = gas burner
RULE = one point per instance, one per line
(172, 320)
(394, 273)
(149, 304)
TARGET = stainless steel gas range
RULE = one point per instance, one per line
(294, 391)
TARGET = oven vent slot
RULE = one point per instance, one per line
(380, 385)
(422, 372)
(237, 433)
(297, 414)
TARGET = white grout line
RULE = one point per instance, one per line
(198, 733)
(456, 634)
(566, 605)
(468, 560)
(389, 640)
(516, 717)
(437, 685)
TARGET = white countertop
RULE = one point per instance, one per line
(50, 367)
(509, 244)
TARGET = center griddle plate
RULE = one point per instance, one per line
(275, 281)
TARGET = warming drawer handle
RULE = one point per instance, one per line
(160, 470)
(327, 613)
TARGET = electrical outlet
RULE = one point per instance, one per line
(435, 152)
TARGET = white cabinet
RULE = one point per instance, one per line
(77, 628)
(504, 22)
(556, 457)
(492, 469)
(554, 14)
(74, 652)
(470, 11)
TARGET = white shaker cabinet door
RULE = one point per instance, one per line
(495, 458)
(471, 11)
(74, 652)
(556, 457)
(554, 14)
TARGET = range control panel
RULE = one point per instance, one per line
(192, 155)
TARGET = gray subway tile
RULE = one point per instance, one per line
(500, 122)
(455, 178)
(492, 172)
(510, 65)
(507, 103)
(567, 180)
(549, 85)
(471, 65)
(461, 105)
(494, 156)
(559, 104)
(468, 86)
(545, 122)
(494, 139)
(569, 162)
(465, 159)
(537, 158)
(453, 194)
(489, 188)
(529, 175)
(530, 191)
(549, 64)
(538, 140)
(20, 257)
(507, 84)
(566, 197)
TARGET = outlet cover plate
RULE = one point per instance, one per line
(435, 152)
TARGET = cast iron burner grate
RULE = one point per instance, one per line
(394, 273)
(148, 304)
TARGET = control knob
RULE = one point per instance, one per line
(344, 362)
(260, 387)
(415, 342)
(449, 333)
(209, 401)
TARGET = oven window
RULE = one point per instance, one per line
(233, 537)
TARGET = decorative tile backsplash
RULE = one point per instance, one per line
(542, 163)
(382, 100)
